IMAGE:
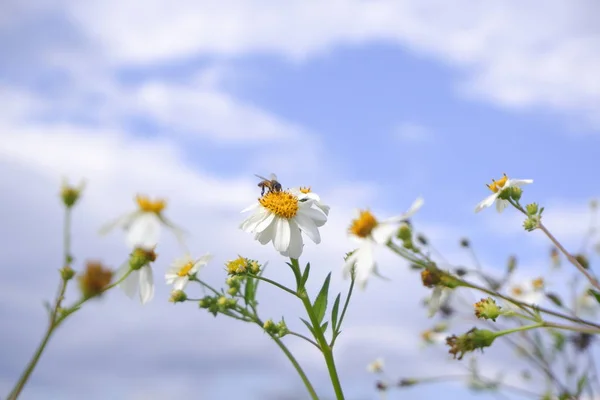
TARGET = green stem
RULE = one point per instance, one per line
(520, 328)
(67, 237)
(325, 348)
(305, 338)
(299, 370)
(339, 324)
(280, 286)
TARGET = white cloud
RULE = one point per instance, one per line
(513, 54)
(412, 133)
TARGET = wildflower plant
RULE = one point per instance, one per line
(528, 313)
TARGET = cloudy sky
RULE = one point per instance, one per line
(372, 103)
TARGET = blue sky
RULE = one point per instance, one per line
(370, 103)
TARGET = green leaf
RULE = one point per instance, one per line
(595, 293)
(581, 385)
(324, 326)
(553, 297)
(309, 326)
(334, 312)
(320, 304)
(250, 290)
(305, 274)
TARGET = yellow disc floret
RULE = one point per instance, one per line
(147, 205)
(282, 204)
(305, 190)
(538, 283)
(517, 291)
(498, 185)
(185, 269)
(363, 225)
(237, 266)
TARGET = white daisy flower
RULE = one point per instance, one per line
(435, 335)
(498, 187)
(376, 366)
(280, 216)
(140, 278)
(529, 292)
(305, 192)
(182, 268)
(367, 232)
(143, 225)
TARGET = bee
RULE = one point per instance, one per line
(272, 184)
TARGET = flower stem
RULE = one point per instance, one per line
(299, 370)
(520, 328)
(318, 332)
(280, 286)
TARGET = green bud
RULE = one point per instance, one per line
(178, 296)
(505, 194)
(407, 382)
(487, 309)
(70, 194)
(232, 291)
(583, 261)
(470, 341)
(422, 239)
(141, 257)
(532, 209)
(408, 244)
(404, 233)
(67, 273)
(530, 224)
(516, 193)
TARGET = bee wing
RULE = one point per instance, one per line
(261, 177)
(273, 177)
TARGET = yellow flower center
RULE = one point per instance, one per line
(363, 225)
(305, 189)
(237, 266)
(498, 185)
(538, 283)
(427, 335)
(282, 204)
(517, 291)
(183, 271)
(147, 205)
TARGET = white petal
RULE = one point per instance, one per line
(365, 264)
(488, 201)
(249, 224)
(518, 182)
(415, 206)
(205, 259)
(146, 284)
(281, 241)
(315, 214)
(250, 207)
(308, 226)
(349, 264)
(501, 205)
(130, 284)
(383, 232)
(267, 235)
(435, 301)
(144, 231)
(180, 283)
(123, 221)
(171, 276)
(264, 224)
(323, 207)
(296, 243)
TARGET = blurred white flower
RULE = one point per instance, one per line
(587, 304)
(305, 192)
(530, 291)
(376, 367)
(367, 232)
(280, 217)
(435, 335)
(182, 268)
(141, 279)
(498, 187)
(143, 225)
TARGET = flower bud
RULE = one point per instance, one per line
(67, 273)
(465, 243)
(487, 309)
(532, 209)
(407, 382)
(530, 224)
(94, 280)
(470, 341)
(404, 232)
(70, 194)
(141, 257)
(583, 261)
(516, 193)
(178, 296)
(422, 239)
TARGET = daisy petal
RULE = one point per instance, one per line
(501, 205)
(316, 215)
(144, 232)
(180, 283)
(130, 284)
(264, 224)
(488, 201)
(519, 182)
(308, 226)
(146, 284)
(296, 243)
(281, 241)
(266, 236)
(383, 232)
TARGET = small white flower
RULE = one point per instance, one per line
(143, 225)
(498, 187)
(587, 304)
(182, 268)
(142, 278)
(305, 192)
(376, 367)
(280, 217)
(529, 292)
(435, 335)
(368, 233)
